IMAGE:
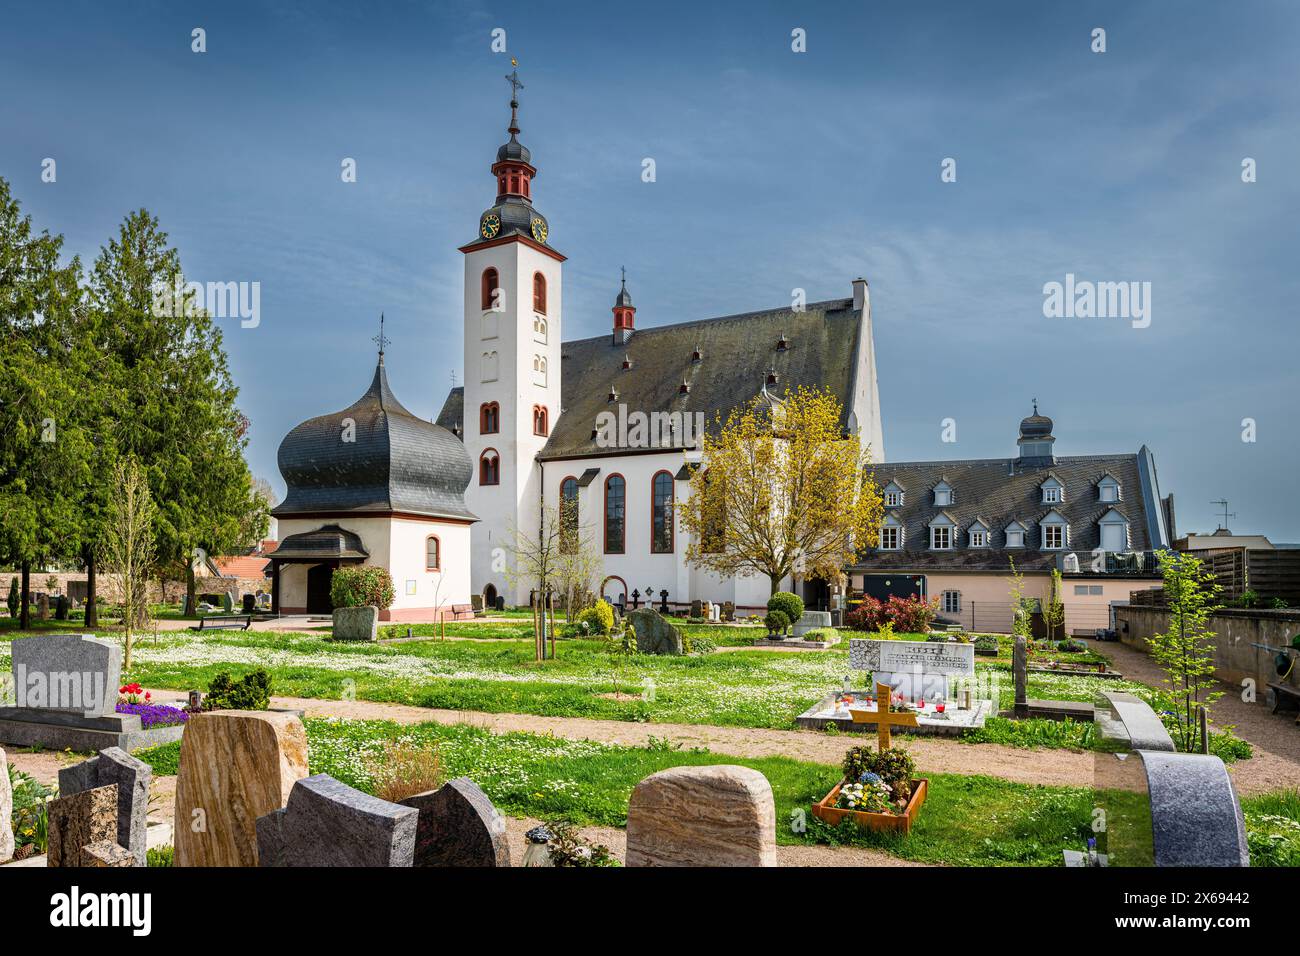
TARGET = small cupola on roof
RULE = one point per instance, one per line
(624, 316)
(1036, 440)
(374, 457)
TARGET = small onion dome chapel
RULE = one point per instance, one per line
(374, 484)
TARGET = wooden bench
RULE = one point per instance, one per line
(1285, 697)
(224, 622)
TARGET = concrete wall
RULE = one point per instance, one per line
(1236, 631)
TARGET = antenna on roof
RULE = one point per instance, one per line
(1223, 503)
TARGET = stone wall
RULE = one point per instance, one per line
(73, 583)
(1236, 632)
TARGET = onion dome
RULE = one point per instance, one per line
(514, 151)
(374, 456)
(624, 298)
(1036, 426)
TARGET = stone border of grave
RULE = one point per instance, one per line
(795, 643)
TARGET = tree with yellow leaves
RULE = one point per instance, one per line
(782, 489)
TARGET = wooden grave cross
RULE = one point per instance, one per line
(882, 716)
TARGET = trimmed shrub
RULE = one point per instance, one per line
(598, 618)
(362, 585)
(776, 622)
(251, 692)
(791, 605)
(909, 615)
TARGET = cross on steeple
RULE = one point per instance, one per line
(1035, 406)
(381, 340)
(624, 271)
(515, 86)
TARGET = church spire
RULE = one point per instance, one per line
(381, 340)
(515, 86)
(624, 313)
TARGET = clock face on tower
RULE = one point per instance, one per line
(490, 226)
(539, 229)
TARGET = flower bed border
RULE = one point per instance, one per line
(825, 809)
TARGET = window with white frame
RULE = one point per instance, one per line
(1108, 489)
(941, 538)
(979, 538)
(1051, 495)
(951, 602)
(942, 495)
(893, 499)
(889, 538)
(1053, 537)
(1015, 538)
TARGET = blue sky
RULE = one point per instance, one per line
(775, 170)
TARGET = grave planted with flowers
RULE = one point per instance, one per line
(134, 699)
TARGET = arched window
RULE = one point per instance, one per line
(489, 418)
(661, 513)
(540, 424)
(489, 468)
(432, 553)
(569, 514)
(539, 329)
(539, 370)
(615, 514)
(491, 285)
(539, 293)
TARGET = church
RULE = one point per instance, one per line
(533, 406)
(438, 503)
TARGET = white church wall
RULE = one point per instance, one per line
(637, 565)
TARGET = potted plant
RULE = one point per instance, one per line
(880, 791)
(359, 593)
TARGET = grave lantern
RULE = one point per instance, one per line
(539, 847)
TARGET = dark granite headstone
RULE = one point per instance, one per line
(1020, 675)
(328, 823)
(117, 768)
(458, 827)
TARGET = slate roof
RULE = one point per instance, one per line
(736, 353)
(398, 462)
(1001, 490)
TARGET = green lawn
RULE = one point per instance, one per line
(968, 821)
(737, 688)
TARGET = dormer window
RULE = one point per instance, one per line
(977, 535)
(771, 376)
(782, 344)
(697, 355)
(942, 531)
(613, 395)
(893, 494)
(627, 362)
(1015, 534)
(1053, 490)
(684, 388)
(891, 534)
(1055, 532)
(1108, 489)
(1113, 528)
(942, 495)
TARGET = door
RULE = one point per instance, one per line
(318, 589)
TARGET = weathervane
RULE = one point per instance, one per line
(515, 86)
(381, 340)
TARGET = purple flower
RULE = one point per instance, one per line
(155, 715)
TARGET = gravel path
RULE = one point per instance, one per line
(933, 754)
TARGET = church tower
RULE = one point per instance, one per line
(513, 289)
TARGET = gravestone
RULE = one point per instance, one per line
(68, 673)
(728, 611)
(6, 811)
(61, 608)
(356, 624)
(107, 854)
(458, 826)
(249, 604)
(1161, 807)
(811, 621)
(42, 607)
(227, 603)
(697, 608)
(715, 613)
(702, 816)
(131, 778)
(1020, 675)
(654, 634)
(79, 820)
(913, 668)
(328, 823)
(236, 766)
